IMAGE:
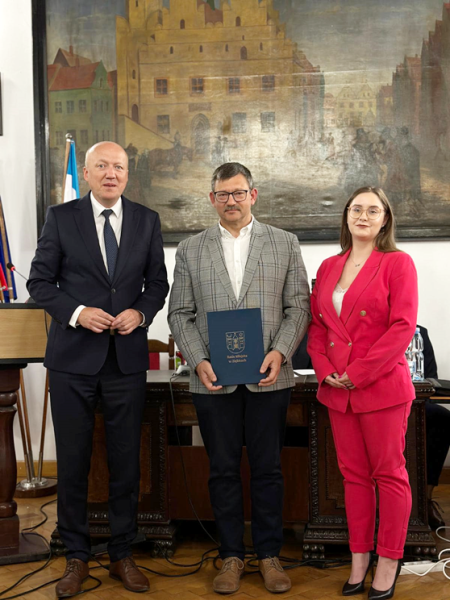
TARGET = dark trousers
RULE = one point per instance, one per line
(73, 401)
(225, 422)
(438, 440)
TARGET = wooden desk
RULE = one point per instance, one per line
(23, 337)
(314, 492)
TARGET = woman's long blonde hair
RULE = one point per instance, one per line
(385, 240)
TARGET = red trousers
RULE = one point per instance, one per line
(369, 449)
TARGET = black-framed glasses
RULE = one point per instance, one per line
(373, 212)
(238, 195)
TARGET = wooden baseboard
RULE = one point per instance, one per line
(445, 476)
(48, 468)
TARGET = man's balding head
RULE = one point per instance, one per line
(106, 171)
(104, 145)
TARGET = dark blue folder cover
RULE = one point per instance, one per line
(236, 345)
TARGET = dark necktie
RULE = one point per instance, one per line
(110, 243)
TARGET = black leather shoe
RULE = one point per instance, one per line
(377, 595)
(351, 589)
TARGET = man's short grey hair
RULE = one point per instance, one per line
(229, 170)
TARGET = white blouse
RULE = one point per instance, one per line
(338, 298)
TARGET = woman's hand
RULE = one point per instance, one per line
(334, 381)
(344, 379)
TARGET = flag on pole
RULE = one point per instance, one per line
(71, 188)
(5, 258)
(3, 284)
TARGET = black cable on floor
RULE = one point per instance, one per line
(198, 565)
(29, 531)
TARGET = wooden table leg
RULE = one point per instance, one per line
(9, 521)
(14, 548)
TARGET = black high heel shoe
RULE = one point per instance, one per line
(377, 595)
(350, 589)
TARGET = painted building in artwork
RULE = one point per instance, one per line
(206, 76)
(68, 58)
(385, 108)
(80, 102)
(434, 95)
(329, 110)
(356, 107)
(406, 93)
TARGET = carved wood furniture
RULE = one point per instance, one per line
(22, 333)
(156, 347)
(327, 523)
(313, 484)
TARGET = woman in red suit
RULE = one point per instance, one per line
(364, 314)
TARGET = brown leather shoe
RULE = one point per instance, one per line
(275, 579)
(229, 578)
(435, 519)
(126, 571)
(76, 572)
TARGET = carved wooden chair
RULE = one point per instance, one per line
(154, 349)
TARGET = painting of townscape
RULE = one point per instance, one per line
(316, 97)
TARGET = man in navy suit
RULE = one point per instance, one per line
(99, 272)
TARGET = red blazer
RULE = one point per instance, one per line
(369, 339)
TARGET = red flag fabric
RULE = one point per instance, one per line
(3, 284)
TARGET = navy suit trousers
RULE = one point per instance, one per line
(74, 399)
(227, 422)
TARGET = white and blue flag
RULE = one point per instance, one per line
(71, 188)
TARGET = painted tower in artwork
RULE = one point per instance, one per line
(198, 75)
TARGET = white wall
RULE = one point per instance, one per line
(18, 179)
(17, 188)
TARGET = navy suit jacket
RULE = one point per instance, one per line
(68, 270)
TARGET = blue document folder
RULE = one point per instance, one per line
(236, 345)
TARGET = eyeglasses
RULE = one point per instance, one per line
(238, 195)
(373, 212)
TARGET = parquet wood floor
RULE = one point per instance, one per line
(307, 583)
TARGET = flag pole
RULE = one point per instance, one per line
(66, 163)
(27, 425)
(2, 280)
(6, 253)
(34, 487)
(44, 421)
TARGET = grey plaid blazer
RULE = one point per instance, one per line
(274, 280)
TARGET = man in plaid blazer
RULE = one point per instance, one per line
(241, 263)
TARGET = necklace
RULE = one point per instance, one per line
(356, 264)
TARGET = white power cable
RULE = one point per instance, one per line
(420, 569)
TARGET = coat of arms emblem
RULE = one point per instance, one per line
(235, 341)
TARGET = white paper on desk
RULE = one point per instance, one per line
(304, 371)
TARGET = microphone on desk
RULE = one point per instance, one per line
(12, 268)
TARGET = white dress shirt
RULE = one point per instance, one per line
(115, 219)
(235, 251)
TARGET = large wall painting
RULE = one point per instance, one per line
(316, 97)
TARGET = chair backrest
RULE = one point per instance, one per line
(156, 346)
